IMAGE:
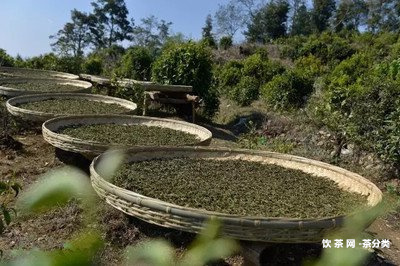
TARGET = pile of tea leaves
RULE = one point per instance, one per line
(140, 135)
(28, 73)
(73, 107)
(238, 187)
(41, 85)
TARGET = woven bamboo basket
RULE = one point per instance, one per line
(91, 149)
(35, 73)
(35, 116)
(264, 229)
(79, 86)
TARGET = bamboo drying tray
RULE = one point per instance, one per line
(35, 73)
(91, 148)
(264, 229)
(35, 116)
(80, 86)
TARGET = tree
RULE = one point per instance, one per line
(208, 37)
(229, 18)
(74, 37)
(383, 15)
(151, 32)
(321, 14)
(5, 59)
(269, 22)
(351, 14)
(301, 21)
(109, 23)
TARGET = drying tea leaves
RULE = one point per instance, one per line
(238, 187)
(140, 135)
(28, 73)
(41, 85)
(74, 107)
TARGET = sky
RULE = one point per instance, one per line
(25, 25)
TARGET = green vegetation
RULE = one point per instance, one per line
(238, 187)
(74, 107)
(189, 64)
(136, 64)
(131, 135)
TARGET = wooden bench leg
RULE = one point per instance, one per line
(193, 112)
(145, 104)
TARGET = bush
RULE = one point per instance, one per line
(47, 61)
(225, 42)
(188, 64)
(5, 59)
(230, 75)
(110, 58)
(287, 90)
(69, 64)
(136, 64)
(261, 69)
(309, 66)
(93, 66)
(246, 91)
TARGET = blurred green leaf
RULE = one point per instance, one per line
(55, 188)
(157, 253)
(110, 163)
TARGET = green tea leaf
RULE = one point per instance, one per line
(54, 189)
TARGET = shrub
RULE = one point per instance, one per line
(5, 59)
(188, 64)
(246, 91)
(225, 42)
(261, 69)
(230, 74)
(286, 90)
(93, 66)
(69, 65)
(136, 64)
(110, 58)
(309, 66)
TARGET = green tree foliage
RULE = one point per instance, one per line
(229, 18)
(188, 64)
(207, 33)
(109, 23)
(269, 22)
(246, 91)
(151, 33)
(136, 64)
(256, 70)
(322, 13)
(74, 37)
(109, 57)
(93, 66)
(301, 21)
(5, 59)
(288, 90)
(225, 42)
(383, 15)
(350, 15)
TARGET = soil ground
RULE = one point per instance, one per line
(281, 133)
